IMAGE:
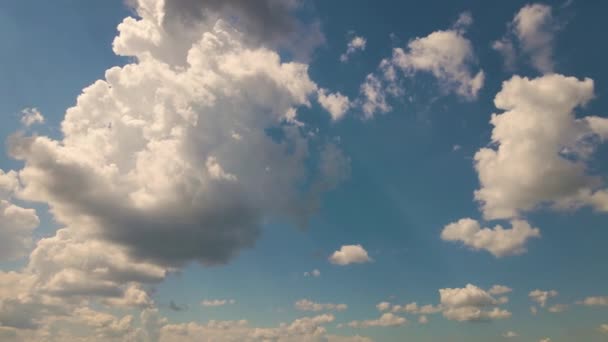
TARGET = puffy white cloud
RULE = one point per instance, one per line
(308, 305)
(335, 103)
(448, 55)
(350, 254)
(314, 273)
(148, 158)
(217, 302)
(387, 319)
(531, 33)
(383, 306)
(498, 240)
(31, 116)
(541, 297)
(541, 149)
(470, 303)
(510, 334)
(595, 301)
(356, 44)
(499, 289)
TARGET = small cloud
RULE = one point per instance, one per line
(557, 308)
(31, 116)
(314, 273)
(308, 305)
(510, 334)
(423, 319)
(456, 148)
(358, 43)
(349, 254)
(386, 320)
(217, 302)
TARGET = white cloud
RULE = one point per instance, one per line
(448, 55)
(414, 308)
(373, 95)
(534, 163)
(308, 305)
(533, 29)
(31, 116)
(546, 339)
(557, 308)
(356, 44)
(387, 319)
(217, 302)
(314, 273)
(510, 334)
(470, 303)
(423, 319)
(499, 289)
(148, 160)
(335, 103)
(595, 301)
(310, 329)
(383, 306)
(498, 240)
(349, 254)
(541, 297)
(604, 328)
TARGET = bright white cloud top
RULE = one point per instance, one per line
(349, 254)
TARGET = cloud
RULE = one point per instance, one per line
(470, 303)
(383, 306)
(217, 302)
(594, 301)
(510, 334)
(335, 103)
(349, 254)
(31, 116)
(16, 223)
(498, 241)
(374, 97)
(531, 33)
(531, 163)
(314, 273)
(308, 305)
(557, 308)
(387, 319)
(546, 339)
(414, 308)
(541, 297)
(148, 160)
(423, 319)
(356, 44)
(499, 289)
(302, 329)
(604, 328)
(448, 56)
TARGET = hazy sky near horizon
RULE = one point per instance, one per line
(286, 170)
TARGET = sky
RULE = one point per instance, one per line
(286, 170)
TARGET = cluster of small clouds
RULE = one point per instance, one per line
(466, 304)
(314, 273)
(530, 164)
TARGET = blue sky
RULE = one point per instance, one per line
(181, 190)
